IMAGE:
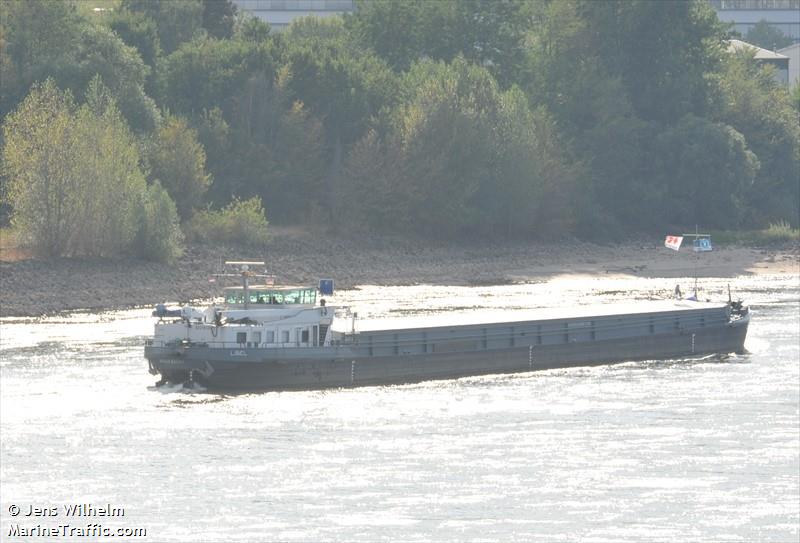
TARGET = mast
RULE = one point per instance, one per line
(697, 250)
(696, 262)
(246, 286)
(245, 274)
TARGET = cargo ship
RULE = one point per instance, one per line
(264, 337)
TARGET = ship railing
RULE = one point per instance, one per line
(343, 312)
(228, 344)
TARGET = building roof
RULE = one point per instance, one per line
(761, 54)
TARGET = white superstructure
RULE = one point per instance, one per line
(251, 316)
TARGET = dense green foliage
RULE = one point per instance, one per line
(178, 160)
(241, 221)
(159, 236)
(759, 108)
(494, 118)
(74, 172)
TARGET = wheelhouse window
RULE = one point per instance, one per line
(234, 297)
(306, 296)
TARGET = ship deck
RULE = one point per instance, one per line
(490, 317)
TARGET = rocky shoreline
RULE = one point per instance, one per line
(36, 287)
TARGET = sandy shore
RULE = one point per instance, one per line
(35, 287)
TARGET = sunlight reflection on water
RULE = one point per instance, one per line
(697, 450)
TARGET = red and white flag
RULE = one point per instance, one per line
(673, 242)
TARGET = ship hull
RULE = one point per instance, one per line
(375, 360)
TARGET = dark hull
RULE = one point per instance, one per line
(348, 366)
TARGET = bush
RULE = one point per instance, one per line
(780, 232)
(241, 221)
(72, 172)
(159, 236)
(775, 233)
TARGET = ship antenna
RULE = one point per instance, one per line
(246, 285)
(696, 262)
(702, 243)
(245, 274)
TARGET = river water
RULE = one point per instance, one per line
(693, 450)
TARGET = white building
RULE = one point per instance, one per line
(744, 14)
(280, 13)
(765, 56)
(793, 52)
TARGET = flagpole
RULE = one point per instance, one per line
(697, 249)
(696, 261)
(702, 243)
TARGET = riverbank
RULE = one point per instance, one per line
(32, 287)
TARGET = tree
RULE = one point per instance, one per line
(225, 87)
(391, 29)
(341, 88)
(141, 32)
(219, 17)
(293, 187)
(73, 173)
(208, 73)
(457, 157)
(617, 76)
(103, 53)
(441, 118)
(532, 178)
(107, 170)
(432, 158)
(178, 161)
(704, 170)
(488, 33)
(760, 108)
(371, 193)
(48, 39)
(41, 189)
(251, 28)
(278, 149)
(562, 71)
(178, 21)
(661, 51)
(39, 41)
(214, 134)
(445, 130)
(767, 36)
(159, 236)
(620, 187)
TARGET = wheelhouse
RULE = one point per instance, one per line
(262, 295)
